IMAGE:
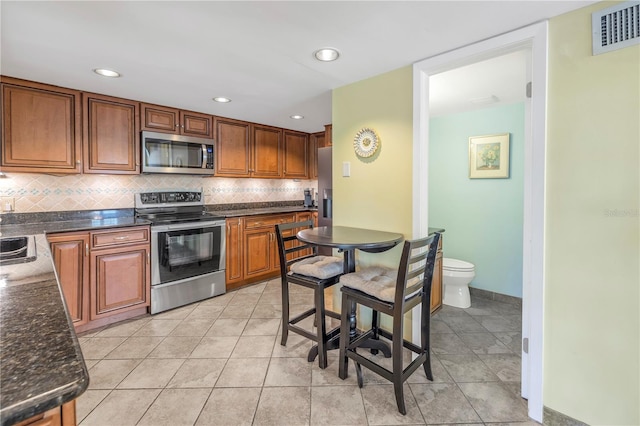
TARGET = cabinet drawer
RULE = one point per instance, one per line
(251, 222)
(119, 237)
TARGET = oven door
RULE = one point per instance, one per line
(186, 250)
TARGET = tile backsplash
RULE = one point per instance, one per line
(46, 193)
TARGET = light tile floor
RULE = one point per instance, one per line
(220, 362)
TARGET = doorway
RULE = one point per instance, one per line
(535, 39)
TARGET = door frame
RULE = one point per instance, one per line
(533, 37)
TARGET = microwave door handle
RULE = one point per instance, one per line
(205, 156)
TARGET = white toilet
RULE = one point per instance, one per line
(456, 276)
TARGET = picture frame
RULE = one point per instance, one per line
(489, 156)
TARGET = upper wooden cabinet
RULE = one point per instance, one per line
(245, 149)
(170, 120)
(111, 135)
(266, 145)
(328, 136)
(233, 147)
(316, 140)
(295, 155)
(41, 128)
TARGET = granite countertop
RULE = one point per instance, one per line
(41, 364)
(261, 210)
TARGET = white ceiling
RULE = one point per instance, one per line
(259, 54)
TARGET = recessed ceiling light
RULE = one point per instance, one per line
(222, 99)
(106, 73)
(326, 54)
(297, 117)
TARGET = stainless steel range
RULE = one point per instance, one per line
(187, 248)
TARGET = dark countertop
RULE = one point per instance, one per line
(263, 210)
(41, 364)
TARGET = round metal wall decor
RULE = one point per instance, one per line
(366, 142)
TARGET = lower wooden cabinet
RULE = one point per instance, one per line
(252, 247)
(436, 284)
(70, 252)
(105, 275)
(64, 415)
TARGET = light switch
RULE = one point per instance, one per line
(346, 169)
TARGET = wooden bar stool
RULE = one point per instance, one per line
(300, 264)
(393, 293)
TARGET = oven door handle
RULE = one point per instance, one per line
(190, 225)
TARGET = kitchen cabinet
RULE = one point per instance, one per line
(436, 283)
(252, 247)
(64, 415)
(233, 147)
(261, 247)
(41, 128)
(120, 271)
(246, 149)
(295, 155)
(111, 135)
(105, 274)
(70, 253)
(316, 140)
(158, 118)
(234, 259)
(266, 145)
(328, 135)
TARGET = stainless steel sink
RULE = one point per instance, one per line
(17, 250)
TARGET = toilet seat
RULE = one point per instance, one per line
(457, 265)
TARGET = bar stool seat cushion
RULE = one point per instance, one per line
(321, 267)
(377, 281)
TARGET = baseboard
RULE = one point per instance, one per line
(552, 417)
(490, 295)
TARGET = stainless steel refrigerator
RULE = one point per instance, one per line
(325, 191)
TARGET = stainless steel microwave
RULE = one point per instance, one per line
(169, 153)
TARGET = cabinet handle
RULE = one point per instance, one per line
(124, 237)
(148, 258)
(77, 161)
(86, 249)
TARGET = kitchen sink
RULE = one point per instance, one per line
(17, 250)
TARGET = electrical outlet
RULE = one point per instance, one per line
(7, 204)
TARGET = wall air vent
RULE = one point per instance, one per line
(616, 27)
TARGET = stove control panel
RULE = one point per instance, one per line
(170, 197)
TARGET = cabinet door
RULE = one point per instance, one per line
(196, 124)
(70, 253)
(301, 217)
(316, 140)
(119, 280)
(41, 128)
(258, 252)
(328, 135)
(296, 155)
(265, 156)
(111, 135)
(233, 149)
(160, 119)
(234, 252)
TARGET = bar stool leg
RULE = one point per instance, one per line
(285, 313)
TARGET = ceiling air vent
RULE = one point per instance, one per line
(616, 27)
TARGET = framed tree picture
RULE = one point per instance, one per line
(489, 156)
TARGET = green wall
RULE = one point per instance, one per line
(592, 236)
(378, 194)
(482, 217)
